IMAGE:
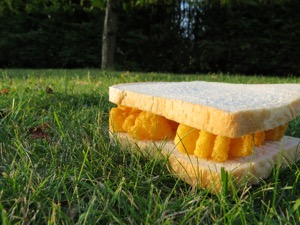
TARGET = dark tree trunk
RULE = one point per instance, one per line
(109, 34)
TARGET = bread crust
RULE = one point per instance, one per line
(230, 110)
(207, 174)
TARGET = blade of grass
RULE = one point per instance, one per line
(4, 218)
(276, 182)
(59, 124)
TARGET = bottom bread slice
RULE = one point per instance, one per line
(208, 174)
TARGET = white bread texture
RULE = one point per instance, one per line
(201, 173)
(225, 109)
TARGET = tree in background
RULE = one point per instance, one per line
(109, 34)
(113, 8)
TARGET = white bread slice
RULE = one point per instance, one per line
(231, 110)
(207, 174)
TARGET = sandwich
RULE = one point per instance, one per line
(208, 129)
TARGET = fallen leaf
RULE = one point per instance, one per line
(38, 132)
(4, 91)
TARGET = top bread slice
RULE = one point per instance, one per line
(225, 109)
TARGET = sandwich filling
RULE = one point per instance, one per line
(143, 125)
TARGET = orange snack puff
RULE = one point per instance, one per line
(240, 147)
(129, 121)
(221, 148)
(116, 118)
(205, 144)
(149, 126)
(185, 139)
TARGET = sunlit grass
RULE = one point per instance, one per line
(77, 176)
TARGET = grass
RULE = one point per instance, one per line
(57, 165)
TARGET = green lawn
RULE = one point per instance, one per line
(59, 167)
